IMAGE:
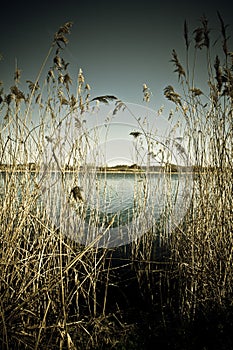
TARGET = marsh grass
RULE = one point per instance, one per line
(203, 250)
(59, 294)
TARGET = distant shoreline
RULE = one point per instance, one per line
(117, 172)
(118, 169)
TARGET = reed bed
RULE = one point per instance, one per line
(57, 293)
(203, 249)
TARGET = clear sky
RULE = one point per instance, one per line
(118, 44)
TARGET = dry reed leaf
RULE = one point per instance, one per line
(67, 80)
(171, 95)
(186, 38)
(9, 98)
(18, 94)
(73, 101)
(81, 79)
(198, 37)
(135, 134)
(218, 72)
(87, 87)
(65, 29)
(59, 37)
(146, 93)
(119, 105)
(57, 61)
(206, 31)
(196, 92)
(51, 76)
(224, 35)
(179, 69)
(33, 86)
(17, 75)
(105, 99)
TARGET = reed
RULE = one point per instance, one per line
(201, 250)
(57, 292)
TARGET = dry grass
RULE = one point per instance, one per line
(202, 249)
(57, 293)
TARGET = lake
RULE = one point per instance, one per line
(118, 207)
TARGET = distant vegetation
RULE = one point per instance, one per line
(167, 290)
(129, 168)
(166, 168)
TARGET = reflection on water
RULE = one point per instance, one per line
(121, 206)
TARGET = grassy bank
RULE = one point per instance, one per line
(175, 292)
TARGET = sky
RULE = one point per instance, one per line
(120, 45)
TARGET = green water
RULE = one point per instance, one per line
(134, 202)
